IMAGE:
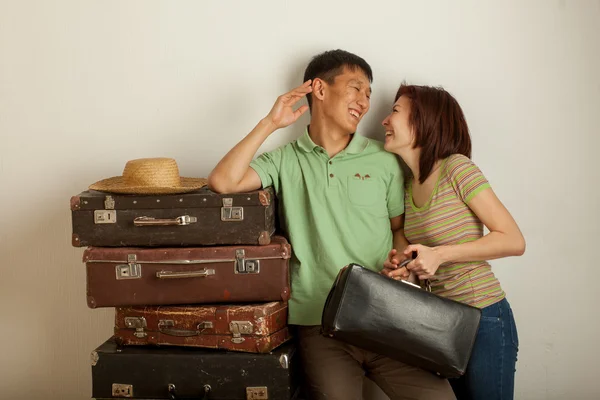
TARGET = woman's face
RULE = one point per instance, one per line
(398, 133)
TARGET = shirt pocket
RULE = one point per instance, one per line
(367, 193)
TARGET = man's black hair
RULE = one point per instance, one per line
(330, 64)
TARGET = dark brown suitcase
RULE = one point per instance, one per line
(129, 276)
(253, 328)
(200, 218)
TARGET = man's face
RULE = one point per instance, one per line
(347, 99)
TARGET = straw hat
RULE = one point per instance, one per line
(149, 176)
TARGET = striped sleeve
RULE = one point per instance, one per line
(467, 179)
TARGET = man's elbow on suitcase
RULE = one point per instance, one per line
(221, 183)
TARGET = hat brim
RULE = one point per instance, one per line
(116, 184)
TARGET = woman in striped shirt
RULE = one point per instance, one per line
(447, 202)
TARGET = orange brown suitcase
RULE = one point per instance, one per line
(251, 328)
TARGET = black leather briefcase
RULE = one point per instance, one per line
(400, 321)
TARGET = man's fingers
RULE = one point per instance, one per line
(292, 98)
(300, 90)
(400, 272)
(300, 111)
(391, 258)
(304, 85)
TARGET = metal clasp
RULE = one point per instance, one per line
(139, 323)
(131, 270)
(243, 266)
(230, 213)
(257, 393)
(107, 216)
(109, 203)
(239, 328)
(122, 390)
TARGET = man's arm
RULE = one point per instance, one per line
(396, 255)
(233, 173)
(400, 241)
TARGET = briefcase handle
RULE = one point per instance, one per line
(425, 284)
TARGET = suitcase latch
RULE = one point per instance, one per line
(122, 390)
(109, 203)
(131, 270)
(257, 393)
(244, 266)
(139, 323)
(239, 328)
(230, 213)
(107, 216)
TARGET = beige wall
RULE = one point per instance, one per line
(87, 85)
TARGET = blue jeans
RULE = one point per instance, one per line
(490, 374)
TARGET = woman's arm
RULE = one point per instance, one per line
(504, 239)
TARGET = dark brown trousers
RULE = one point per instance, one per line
(335, 370)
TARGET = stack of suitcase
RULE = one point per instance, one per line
(200, 283)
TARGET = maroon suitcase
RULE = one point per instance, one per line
(252, 328)
(129, 276)
(200, 218)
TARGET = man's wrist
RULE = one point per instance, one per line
(267, 125)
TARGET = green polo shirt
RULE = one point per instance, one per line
(334, 211)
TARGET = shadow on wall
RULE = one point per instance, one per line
(43, 291)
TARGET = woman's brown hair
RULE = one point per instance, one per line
(439, 125)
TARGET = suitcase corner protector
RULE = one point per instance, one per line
(75, 240)
(91, 302)
(75, 202)
(94, 357)
(264, 197)
(264, 238)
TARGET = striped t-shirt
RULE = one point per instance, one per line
(446, 219)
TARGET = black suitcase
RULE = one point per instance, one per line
(199, 218)
(142, 372)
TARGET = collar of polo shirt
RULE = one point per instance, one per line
(357, 143)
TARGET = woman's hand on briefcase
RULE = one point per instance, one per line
(390, 266)
(426, 263)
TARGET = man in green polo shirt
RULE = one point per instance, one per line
(341, 201)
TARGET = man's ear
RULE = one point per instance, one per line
(318, 89)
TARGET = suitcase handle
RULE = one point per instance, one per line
(182, 332)
(173, 395)
(203, 273)
(178, 221)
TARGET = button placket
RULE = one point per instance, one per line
(332, 175)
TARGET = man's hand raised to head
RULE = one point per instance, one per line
(282, 114)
